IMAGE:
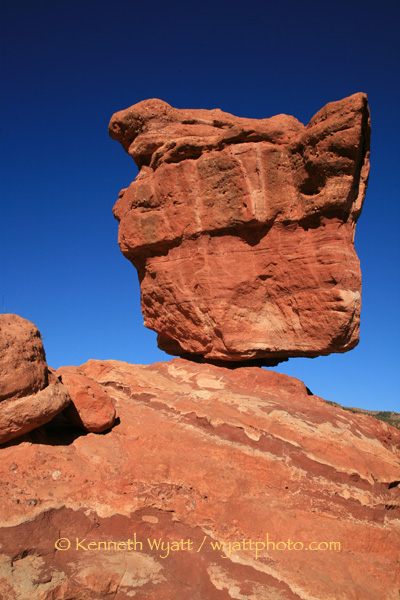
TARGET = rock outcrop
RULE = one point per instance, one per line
(261, 491)
(30, 393)
(91, 408)
(242, 230)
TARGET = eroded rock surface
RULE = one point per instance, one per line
(242, 230)
(211, 456)
(30, 394)
(91, 408)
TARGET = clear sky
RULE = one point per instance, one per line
(68, 66)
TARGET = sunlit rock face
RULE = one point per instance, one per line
(242, 230)
(221, 458)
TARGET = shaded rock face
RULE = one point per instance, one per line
(242, 230)
(209, 456)
(30, 393)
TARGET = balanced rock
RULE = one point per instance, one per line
(242, 230)
(30, 394)
(216, 484)
(91, 408)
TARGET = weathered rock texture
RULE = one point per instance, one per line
(204, 454)
(91, 408)
(242, 230)
(30, 394)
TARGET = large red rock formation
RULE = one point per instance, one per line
(203, 456)
(30, 394)
(242, 229)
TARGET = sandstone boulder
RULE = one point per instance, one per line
(242, 230)
(91, 408)
(228, 460)
(23, 367)
(30, 394)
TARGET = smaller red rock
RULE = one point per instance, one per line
(91, 408)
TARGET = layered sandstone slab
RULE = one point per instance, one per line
(242, 230)
(30, 394)
(203, 456)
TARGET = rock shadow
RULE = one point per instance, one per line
(57, 432)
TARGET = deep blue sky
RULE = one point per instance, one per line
(68, 66)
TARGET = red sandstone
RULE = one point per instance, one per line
(91, 407)
(30, 394)
(242, 230)
(211, 455)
